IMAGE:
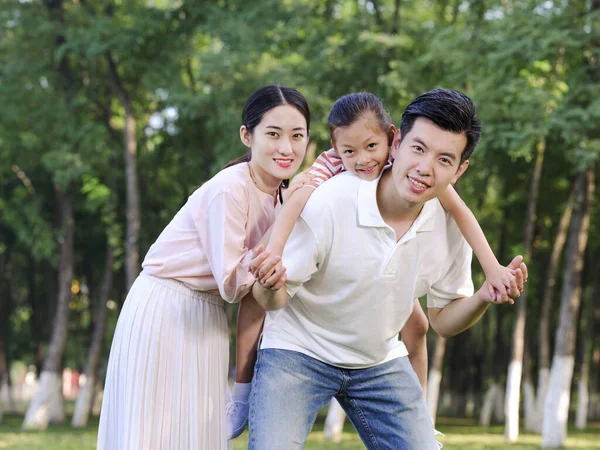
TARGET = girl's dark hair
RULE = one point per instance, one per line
(351, 107)
(451, 111)
(264, 100)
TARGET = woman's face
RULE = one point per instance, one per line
(278, 143)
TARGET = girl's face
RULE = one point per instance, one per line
(278, 144)
(364, 146)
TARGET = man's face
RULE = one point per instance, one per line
(426, 161)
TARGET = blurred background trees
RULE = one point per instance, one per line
(114, 112)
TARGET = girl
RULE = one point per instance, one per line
(361, 134)
(167, 373)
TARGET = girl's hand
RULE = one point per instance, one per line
(267, 269)
(276, 280)
(271, 274)
(504, 284)
(259, 256)
(501, 280)
(297, 182)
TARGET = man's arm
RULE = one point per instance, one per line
(457, 316)
(269, 299)
(462, 313)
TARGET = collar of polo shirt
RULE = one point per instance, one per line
(368, 211)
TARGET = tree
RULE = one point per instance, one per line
(434, 377)
(334, 422)
(47, 403)
(554, 430)
(584, 368)
(544, 327)
(106, 198)
(62, 161)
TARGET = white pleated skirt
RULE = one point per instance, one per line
(166, 382)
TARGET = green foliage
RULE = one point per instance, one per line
(187, 68)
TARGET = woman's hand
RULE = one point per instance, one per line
(267, 269)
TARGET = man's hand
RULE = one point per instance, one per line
(488, 294)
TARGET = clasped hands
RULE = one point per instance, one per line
(267, 269)
(512, 279)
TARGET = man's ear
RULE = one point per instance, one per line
(245, 136)
(461, 169)
(396, 144)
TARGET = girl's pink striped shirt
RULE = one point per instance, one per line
(327, 165)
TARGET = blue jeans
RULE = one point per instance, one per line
(385, 403)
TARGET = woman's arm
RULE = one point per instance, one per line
(221, 224)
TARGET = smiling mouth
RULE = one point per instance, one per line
(368, 170)
(418, 184)
(285, 163)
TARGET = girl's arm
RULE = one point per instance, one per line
(326, 166)
(286, 219)
(498, 276)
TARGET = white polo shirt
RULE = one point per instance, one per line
(353, 286)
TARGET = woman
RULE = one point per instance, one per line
(166, 382)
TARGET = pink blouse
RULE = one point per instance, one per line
(207, 244)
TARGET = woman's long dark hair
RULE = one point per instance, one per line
(261, 102)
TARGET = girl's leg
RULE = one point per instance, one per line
(250, 321)
(414, 336)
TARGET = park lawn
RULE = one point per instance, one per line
(460, 435)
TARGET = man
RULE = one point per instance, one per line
(357, 260)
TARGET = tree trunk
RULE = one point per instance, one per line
(3, 376)
(586, 354)
(12, 405)
(5, 300)
(435, 377)
(554, 429)
(529, 405)
(85, 398)
(378, 17)
(98, 396)
(396, 17)
(515, 368)
(544, 339)
(132, 264)
(49, 393)
(334, 422)
(493, 405)
(485, 418)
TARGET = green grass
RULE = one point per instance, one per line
(57, 437)
(460, 434)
